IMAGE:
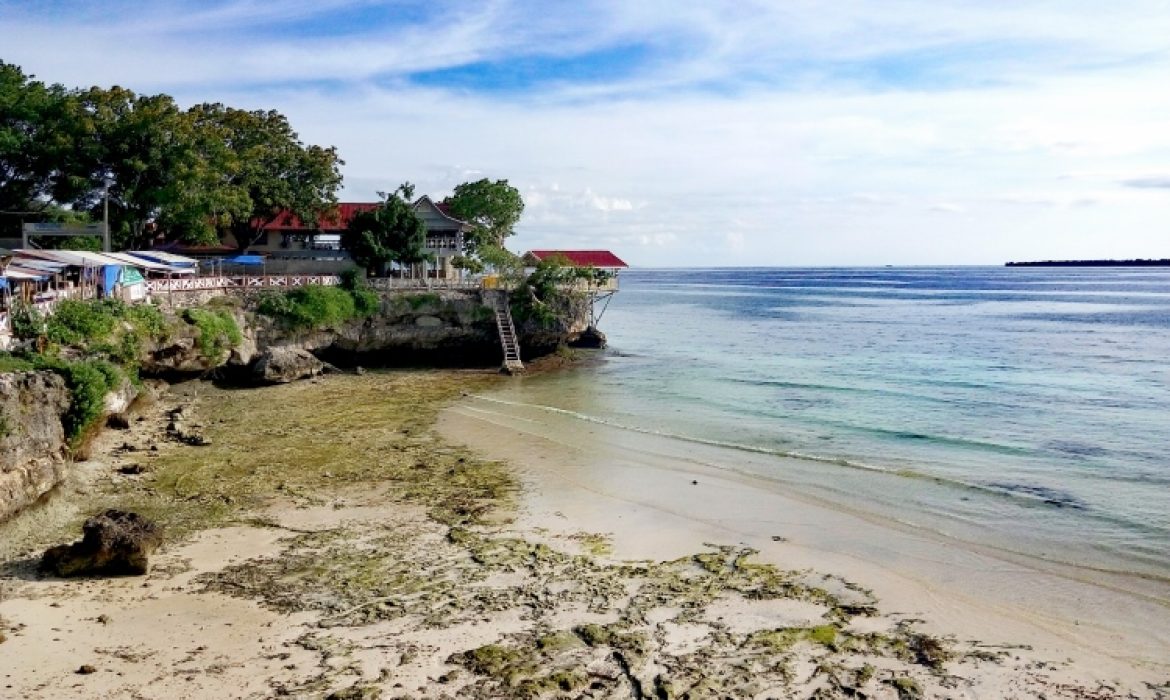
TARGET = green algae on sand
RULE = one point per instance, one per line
(298, 441)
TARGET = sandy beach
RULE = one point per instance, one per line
(337, 539)
(657, 497)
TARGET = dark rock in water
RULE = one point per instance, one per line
(115, 543)
(281, 365)
(590, 338)
(118, 421)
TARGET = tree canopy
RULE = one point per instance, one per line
(263, 169)
(195, 173)
(493, 208)
(32, 139)
(392, 232)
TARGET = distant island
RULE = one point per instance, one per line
(1164, 262)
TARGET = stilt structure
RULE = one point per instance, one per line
(498, 299)
(599, 286)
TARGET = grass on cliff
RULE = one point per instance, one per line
(300, 440)
(95, 345)
(316, 306)
(88, 380)
(218, 331)
(107, 328)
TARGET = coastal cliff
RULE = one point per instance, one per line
(48, 415)
(442, 328)
(32, 437)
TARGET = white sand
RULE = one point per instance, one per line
(639, 488)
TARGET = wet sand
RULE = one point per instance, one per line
(642, 489)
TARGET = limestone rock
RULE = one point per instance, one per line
(32, 437)
(113, 543)
(281, 365)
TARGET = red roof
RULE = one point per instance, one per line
(581, 258)
(338, 220)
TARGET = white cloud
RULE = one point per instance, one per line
(948, 208)
(743, 144)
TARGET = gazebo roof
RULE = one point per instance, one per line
(580, 258)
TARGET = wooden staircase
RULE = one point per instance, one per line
(498, 300)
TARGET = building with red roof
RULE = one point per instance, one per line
(287, 236)
(601, 259)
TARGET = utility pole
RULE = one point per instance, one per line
(106, 218)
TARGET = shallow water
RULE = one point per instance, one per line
(1022, 409)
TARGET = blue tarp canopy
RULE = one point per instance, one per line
(244, 260)
(110, 275)
(113, 275)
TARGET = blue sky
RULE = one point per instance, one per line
(687, 133)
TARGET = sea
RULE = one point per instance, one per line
(1025, 410)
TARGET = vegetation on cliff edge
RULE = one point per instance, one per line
(316, 306)
(98, 344)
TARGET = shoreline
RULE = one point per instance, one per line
(645, 486)
(334, 537)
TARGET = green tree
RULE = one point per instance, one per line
(502, 262)
(135, 150)
(493, 208)
(391, 233)
(32, 142)
(195, 174)
(262, 170)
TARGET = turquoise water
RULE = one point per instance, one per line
(1024, 409)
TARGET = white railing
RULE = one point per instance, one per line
(194, 284)
(423, 283)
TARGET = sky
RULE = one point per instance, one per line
(693, 133)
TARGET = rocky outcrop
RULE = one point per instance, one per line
(32, 437)
(591, 337)
(281, 365)
(566, 320)
(115, 543)
(412, 328)
(429, 328)
(181, 354)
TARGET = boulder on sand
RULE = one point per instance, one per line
(115, 543)
(281, 365)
